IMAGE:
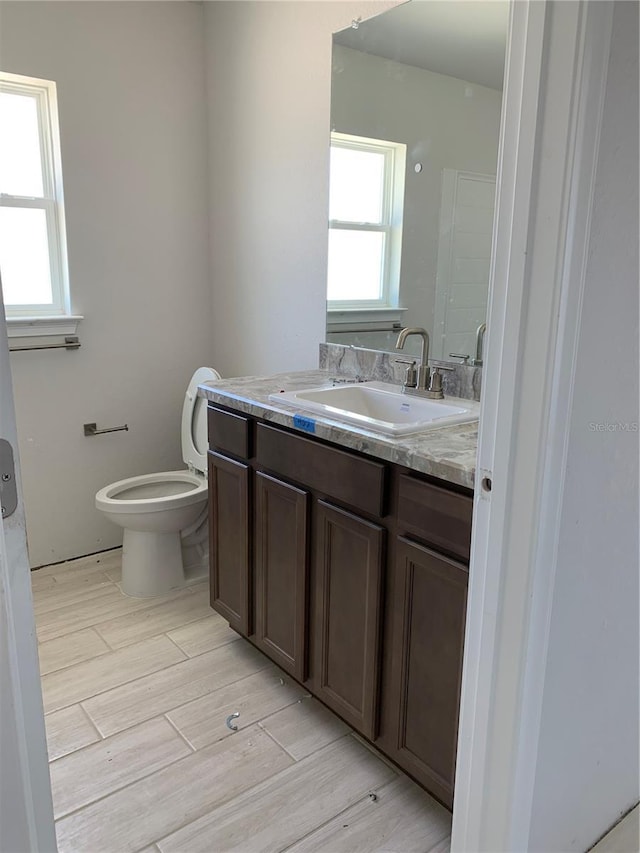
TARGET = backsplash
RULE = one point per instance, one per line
(463, 381)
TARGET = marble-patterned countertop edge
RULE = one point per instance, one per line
(448, 453)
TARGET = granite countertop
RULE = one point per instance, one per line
(448, 453)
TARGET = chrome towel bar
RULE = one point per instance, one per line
(370, 326)
(70, 342)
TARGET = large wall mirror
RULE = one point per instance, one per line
(415, 113)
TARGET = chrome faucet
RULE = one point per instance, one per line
(421, 381)
(480, 332)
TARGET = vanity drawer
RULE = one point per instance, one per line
(346, 478)
(228, 432)
(438, 516)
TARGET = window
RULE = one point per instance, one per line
(365, 222)
(33, 258)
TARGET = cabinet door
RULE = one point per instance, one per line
(230, 556)
(348, 585)
(429, 619)
(281, 573)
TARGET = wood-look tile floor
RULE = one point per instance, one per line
(136, 695)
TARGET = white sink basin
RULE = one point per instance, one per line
(381, 407)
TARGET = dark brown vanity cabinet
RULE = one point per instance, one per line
(282, 573)
(351, 575)
(345, 570)
(229, 538)
(348, 611)
(427, 643)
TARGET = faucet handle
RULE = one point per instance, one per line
(465, 358)
(411, 375)
(435, 386)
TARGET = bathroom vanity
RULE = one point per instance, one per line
(343, 556)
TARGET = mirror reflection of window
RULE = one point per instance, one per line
(365, 221)
(429, 75)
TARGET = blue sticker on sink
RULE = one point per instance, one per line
(306, 424)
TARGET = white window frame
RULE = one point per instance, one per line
(390, 226)
(53, 318)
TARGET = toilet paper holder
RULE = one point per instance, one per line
(92, 429)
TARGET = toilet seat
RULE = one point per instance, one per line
(149, 492)
(194, 421)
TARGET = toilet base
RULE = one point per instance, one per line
(151, 563)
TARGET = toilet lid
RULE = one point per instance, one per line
(194, 421)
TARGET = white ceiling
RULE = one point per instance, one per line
(461, 38)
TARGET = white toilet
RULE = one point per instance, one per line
(164, 516)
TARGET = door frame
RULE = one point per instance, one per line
(556, 69)
(25, 790)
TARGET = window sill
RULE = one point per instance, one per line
(42, 327)
(364, 319)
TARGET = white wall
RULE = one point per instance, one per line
(445, 123)
(133, 132)
(269, 81)
(587, 772)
